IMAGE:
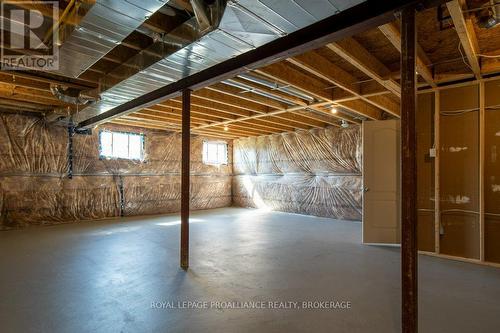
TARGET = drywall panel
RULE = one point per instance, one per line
(460, 98)
(492, 171)
(459, 172)
(425, 172)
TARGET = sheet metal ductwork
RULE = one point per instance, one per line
(106, 24)
(495, 10)
(74, 96)
(245, 25)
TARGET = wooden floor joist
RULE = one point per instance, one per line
(269, 114)
(232, 101)
(351, 51)
(247, 96)
(466, 33)
(326, 70)
(356, 73)
(275, 92)
(391, 31)
(314, 87)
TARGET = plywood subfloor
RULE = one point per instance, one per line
(103, 277)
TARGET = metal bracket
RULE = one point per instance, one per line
(71, 133)
(122, 195)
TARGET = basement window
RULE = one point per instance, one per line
(214, 152)
(121, 145)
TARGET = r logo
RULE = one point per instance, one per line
(19, 26)
(28, 40)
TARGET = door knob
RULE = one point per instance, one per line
(366, 189)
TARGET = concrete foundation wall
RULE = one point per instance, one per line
(316, 172)
(35, 188)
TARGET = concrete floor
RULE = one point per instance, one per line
(103, 277)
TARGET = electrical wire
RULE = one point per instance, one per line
(463, 58)
(488, 56)
(457, 112)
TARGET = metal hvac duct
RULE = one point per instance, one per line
(245, 25)
(274, 85)
(73, 96)
(246, 88)
(106, 24)
(495, 14)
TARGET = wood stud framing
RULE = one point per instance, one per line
(482, 114)
(481, 170)
(262, 109)
(437, 196)
(391, 31)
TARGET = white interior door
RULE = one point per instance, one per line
(381, 182)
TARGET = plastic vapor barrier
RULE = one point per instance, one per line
(315, 172)
(35, 187)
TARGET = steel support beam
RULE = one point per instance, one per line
(408, 172)
(366, 15)
(185, 169)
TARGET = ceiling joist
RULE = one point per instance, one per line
(467, 36)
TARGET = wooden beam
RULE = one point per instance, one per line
(305, 118)
(247, 96)
(351, 51)
(210, 105)
(409, 248)
(219, 135)
(314, 87)
(196, 115)
(185, 183)
(29, 97)
(275, 92)
(491, 63)
(321, 67)
(42, 77)
(219, 97)
(23, 82)
(145, 124)
(235, 128)
(338, 115)
(275, 116)
(361, 108)
(465, 31)
(269, 114)
(283, 126)
(318, 115)
(391, 31)
(287, 75)
(13, 104)
(164, 120)
(290, 98)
